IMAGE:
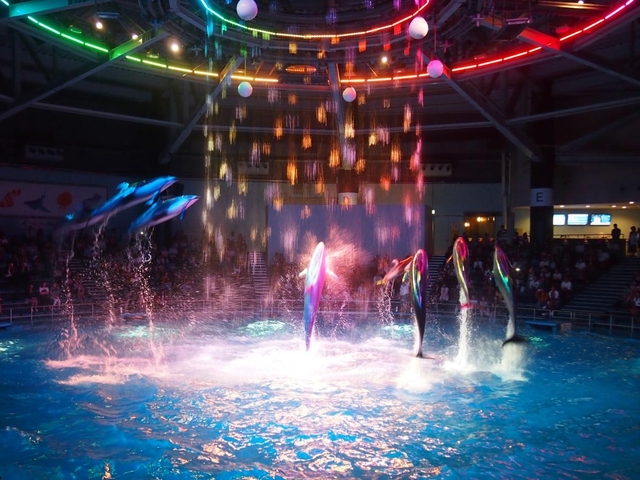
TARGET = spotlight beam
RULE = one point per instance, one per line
(146, 39)
(225, 75)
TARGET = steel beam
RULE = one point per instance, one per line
(592, 135)
(334, 83)
(552, 44)
(444, 14)
(489, 111)
(42, 7)
(594, 107)
(187, 128)
(27, 42)
(528, 35)
(148, 38)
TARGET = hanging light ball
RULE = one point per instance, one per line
(418, 28)
(349, 94)
(247, 9)
(245, 89)
(435, 68)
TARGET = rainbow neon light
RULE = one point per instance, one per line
(312, 36)
(459, 68)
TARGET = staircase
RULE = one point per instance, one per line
(258, 270)
(606, 291)
(434, 266)
(77, 269)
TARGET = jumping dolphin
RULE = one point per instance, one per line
(162, 211)
(503, 275)
(418, 282)
(398, 267)
(129, 194)
(460, 258)
(313, 284)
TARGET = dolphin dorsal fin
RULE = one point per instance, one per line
(122, 186)
(153, 199)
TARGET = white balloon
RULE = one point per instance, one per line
(418, 28)
(349, 94)
(245, 89)
(247, 9)
(435, 68)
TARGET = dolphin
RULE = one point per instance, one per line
(129, 194)
(418, 283)
(503, 274)
(315, 274)
(162, 211)
(460, 258)
(398, 267)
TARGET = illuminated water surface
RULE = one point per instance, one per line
(203, 399)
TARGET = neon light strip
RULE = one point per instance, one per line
(312, 36)
(71, 38)
(461, 68)
(523, 53)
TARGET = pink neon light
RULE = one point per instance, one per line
(537, 49)
(513, 55)
(468, 67)
(577, 32)
(593, 25)
(490, 62)
(521, 54)
(615, 12)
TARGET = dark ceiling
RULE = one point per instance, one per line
(99, 100)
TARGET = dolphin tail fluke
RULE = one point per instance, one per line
(515, 339)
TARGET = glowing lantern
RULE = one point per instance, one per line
(349, 94)
(247, 9)
(245, 89)
(418, 28)
(435, 68)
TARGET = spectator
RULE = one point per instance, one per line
(632, 242)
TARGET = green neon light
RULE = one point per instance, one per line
(96, 47)
(69, 37)
(51, 29)
(155, 64)
(135, 59)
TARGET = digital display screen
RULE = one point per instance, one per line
(578, 219)
(559, 219)
(600, 219)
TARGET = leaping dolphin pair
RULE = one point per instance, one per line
(128, 195)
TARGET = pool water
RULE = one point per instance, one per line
(203, 399)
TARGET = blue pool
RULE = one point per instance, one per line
(200, 399)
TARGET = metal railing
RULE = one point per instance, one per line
(242, 309)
